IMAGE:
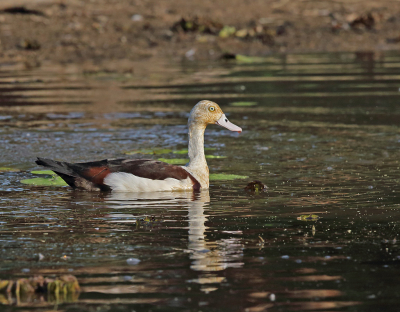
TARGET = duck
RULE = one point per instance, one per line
(148, 175)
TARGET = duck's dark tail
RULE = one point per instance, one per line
(63, 169)
(87, 176)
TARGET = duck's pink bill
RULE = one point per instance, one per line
(224, 122)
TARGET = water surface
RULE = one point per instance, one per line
(322, 133)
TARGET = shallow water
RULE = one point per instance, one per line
(323, 134)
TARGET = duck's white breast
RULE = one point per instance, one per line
(127, 182)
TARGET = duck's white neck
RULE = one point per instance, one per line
(197, 160)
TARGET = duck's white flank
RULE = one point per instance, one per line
(127, 182)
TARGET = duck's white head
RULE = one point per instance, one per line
(207, 112)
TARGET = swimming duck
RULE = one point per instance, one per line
(146, 175)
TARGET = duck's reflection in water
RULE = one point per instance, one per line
(207, 254)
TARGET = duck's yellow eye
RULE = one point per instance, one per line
(211, 108)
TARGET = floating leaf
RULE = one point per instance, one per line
(7, 169)
(175, 161)
(311, 217)
(243, 103)
(53, 181)
(43, 172)
(156, 151)
(224, 176)
(248, 59)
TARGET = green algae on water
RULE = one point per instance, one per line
(224, 176)
(156, 151)
(175, 161)
(182, 161)
(215, 157)
(160, 151)
(7, 169)
(185, 150)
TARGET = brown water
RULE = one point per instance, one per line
(323, 135)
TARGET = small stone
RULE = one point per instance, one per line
(132, 261)
(189, 54)
(136, 18)
(272, 297)
(29, 44)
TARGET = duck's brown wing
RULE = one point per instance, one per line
(90, 175)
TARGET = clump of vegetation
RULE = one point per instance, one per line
(255, 31)
(225, 177)
(311, 217)
(197, 24)
(148, 222)
(255, 187)
(60, 289)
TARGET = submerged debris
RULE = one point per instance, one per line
(310, 217)
(255, 187)
(61, 289)
(148, 222)
(261, 242)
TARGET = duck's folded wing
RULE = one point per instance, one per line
(94, 175)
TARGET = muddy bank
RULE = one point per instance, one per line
(33, 32)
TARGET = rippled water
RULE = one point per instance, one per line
(323, 134)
